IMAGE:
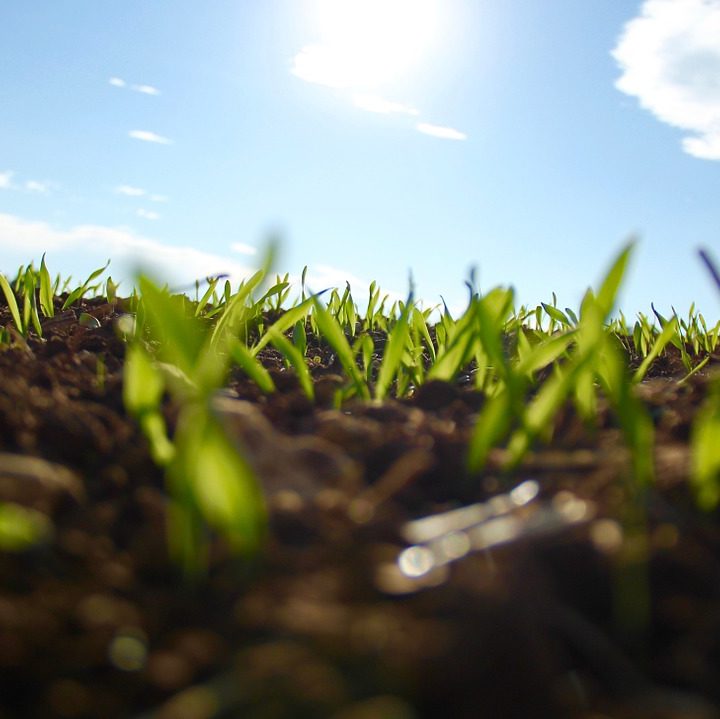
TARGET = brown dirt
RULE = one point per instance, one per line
(597, 619)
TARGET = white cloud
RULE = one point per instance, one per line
(147, 136)
(670, 60)
(375, 103)
(146, 89)
(35, 186)
(147, 214)
(94, 244)
(243, 249)
(444, 133)
(130, 191)
(6, 179)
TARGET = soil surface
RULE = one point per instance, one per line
(590, 600)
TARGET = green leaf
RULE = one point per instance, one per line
(285, 322)
(543, 353)
(394, 350)
(607, 293)
(78, 293)
(46, 290)
(667, 334)
(222, 483)
(180, 334)
(333, 335)
(143, 384)
(12, 305)
(555, 314)
(296, 359)
(490, 428)
(251, 366)
(300, 337)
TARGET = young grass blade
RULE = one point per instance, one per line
(235, 309)
(296, 359)
(78, 293)
(142, 391)
(46, 290)
(180, 333)
(660, 318)
(302, 283)
(299, 337)
(555, 314)
(251, 366)
(221, 483)
(663, 338)
(333, 334)
(419, 322)
(490, 428)
(286, 321)
(30, 314)
(12, 305)
(394, 350)
(542, 354)
(694, 370)
(542, 409)
(607, 293)
(635, 422)
(365, 347)
(212, 284)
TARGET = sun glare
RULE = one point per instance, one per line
(367, 43)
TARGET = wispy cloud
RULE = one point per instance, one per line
(243, 249)
(147, 136)
(375, 103)
(130, 191)
(21, 238)
(670, 60)
(444, 133)
(147, 214)
(35, 186)
(143, 89)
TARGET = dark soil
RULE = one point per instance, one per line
(597, 619)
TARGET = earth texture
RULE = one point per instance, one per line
(588, 598)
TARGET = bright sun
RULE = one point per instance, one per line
(367, 43)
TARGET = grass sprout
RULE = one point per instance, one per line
(527, 363)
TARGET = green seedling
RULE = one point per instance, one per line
(79, 292)
(210, 482)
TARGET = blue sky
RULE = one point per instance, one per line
(525, 137)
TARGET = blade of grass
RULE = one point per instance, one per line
(12, 305)
(334, 336)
